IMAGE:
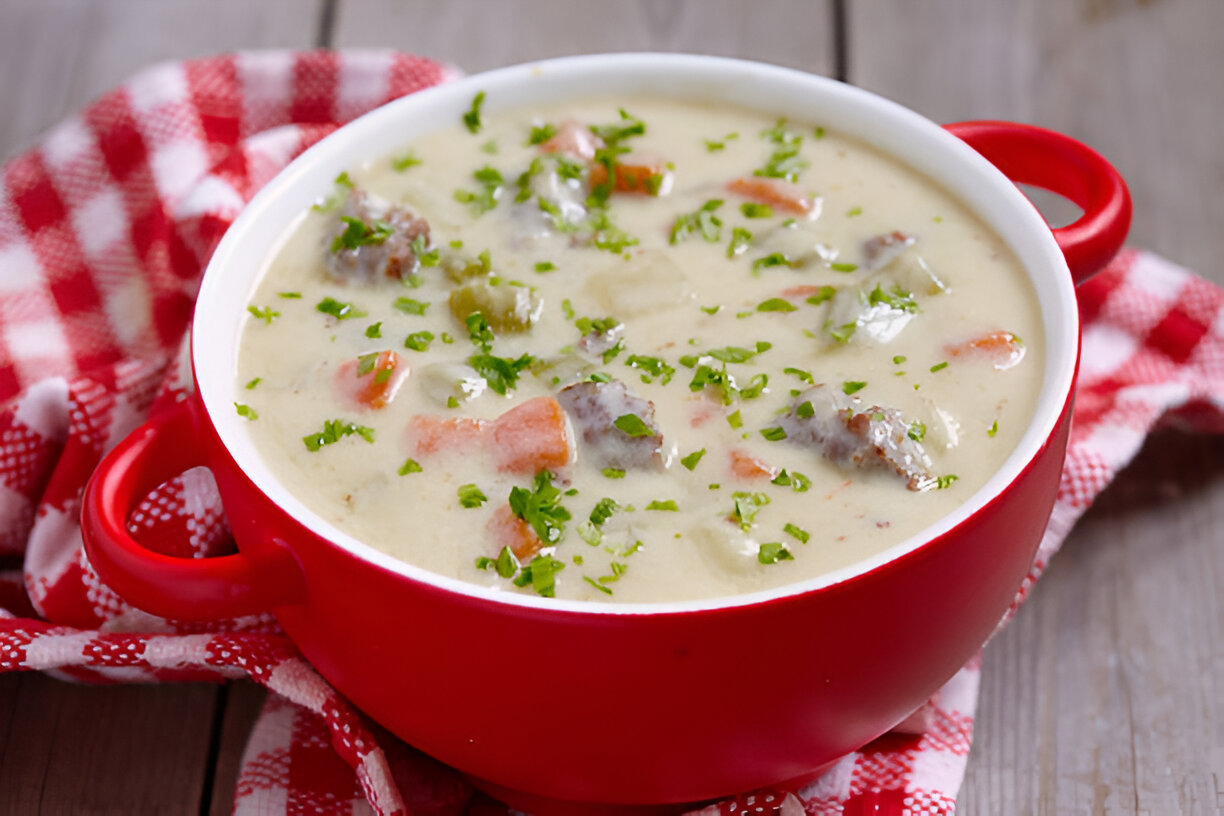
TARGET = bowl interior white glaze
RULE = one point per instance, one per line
(235, 266)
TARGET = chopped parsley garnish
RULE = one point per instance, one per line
(776, 305)
(772, 552)
(896, 298)
(800, 483)
(754, 209)
(798, 533)
(419, 341)
(596, 584)
(772, 259)
(747, 505)
(471, 119)
(541, 133)
(939, 366)
(711, 310)
(719, 378)
(692, 459)
(917, 431)
(251, 385)
(741, 239)
(402, 162)
(613, 473)
(245, 411)
(541, 575)
(735, 420)
(785, 162)
(540, 506)
(608, 236)
(653, 366)
(944, 482)
(898, 359)
(424, 255)
(290, 295)
(853, 386)
(703, 220)
(339, 309)
(264, 313)
(804, 410)
(843, 333)
(843, 267)
(545, 266)
(822, 294)
(489, 147)
(991, 431)
(505, 564)
(804, 376)
(853, 211)
(342, 185)
(523, 183)
(409, 306)
(479, 331)
(374, 330)
(819, 132)
(755, 387)
(366, 362)
(491, 184)
(410, 466)
(627, 127)
(738, 354)
(783, 478)
(602, 511)
(333, 431)
(773, 434)
(633, 425)
(358, 233)
(471, 496)
(668, 505)
(501, 373)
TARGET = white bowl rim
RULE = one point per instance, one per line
(892, 128)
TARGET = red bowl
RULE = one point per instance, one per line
(693, 700)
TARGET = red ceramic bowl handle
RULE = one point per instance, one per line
(1043, 158)
(181, 588)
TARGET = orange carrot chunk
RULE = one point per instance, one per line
(429, 434)
(372, 379)
(778, 193)
(746, 466)
(636, 175)
(1002, 348)
(508, 530)
(531, 437)
(573, 139)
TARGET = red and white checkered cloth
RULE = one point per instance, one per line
(105, 227)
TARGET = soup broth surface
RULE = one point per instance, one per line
(637, 350)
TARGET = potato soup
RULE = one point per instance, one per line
(637, 350)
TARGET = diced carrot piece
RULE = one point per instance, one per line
(573, 139)
(429, 433)
(800, 291)
(372, 386)
(508, 530)
(638, 175)
(1002, 348)
(747, 466)
(779, 193)
(531, 437)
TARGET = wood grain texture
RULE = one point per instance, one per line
(481, 34)
(69, 51)
(104, 750)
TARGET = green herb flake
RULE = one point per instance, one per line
(471, 496)
(991, 431)
(264, 313)
(251, 385)
(633, 426)
(540, 506)
(245, 411)
(843, 267)
(754, 209)
(602, 511)
(540, 574)
(711, 310)
(409, 466)
(939, 366)
(471, 119)
(408, 305)
(702, 221)
(776, 305)
(896, 298)
(843, 333)
(917, 431)
(339, 309)
(333, 431)
(545, 266)
(692, 459)
(597, 585)
(854, 211)
(541, 133)
(804, 410)
(773, 434)
(746, 506)
(944, 482)
(358, 233)
(898, 359)
(501, 373)
(804, 376)
(823, 294)
(800, 483)
(741, 239)
(653, 368)
(613, 473)
(735, 420)
(366, 362)
(772, 552)
(800, 534)
(404, 161)
(755, 387)
(772, 259)
(853, 386)
(289, 295)
(669, 505)
(419, 341)
(491, 185)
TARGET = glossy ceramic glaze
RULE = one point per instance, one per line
(698, 699)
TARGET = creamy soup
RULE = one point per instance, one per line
(637, 350)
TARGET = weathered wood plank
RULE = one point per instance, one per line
(105, 750)
(478, 34)
(69, 51)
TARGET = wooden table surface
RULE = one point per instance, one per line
(1106, 694)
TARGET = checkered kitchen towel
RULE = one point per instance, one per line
(105, 227)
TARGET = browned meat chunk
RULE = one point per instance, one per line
(373, 240)
(609, 437)
(847, 434)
